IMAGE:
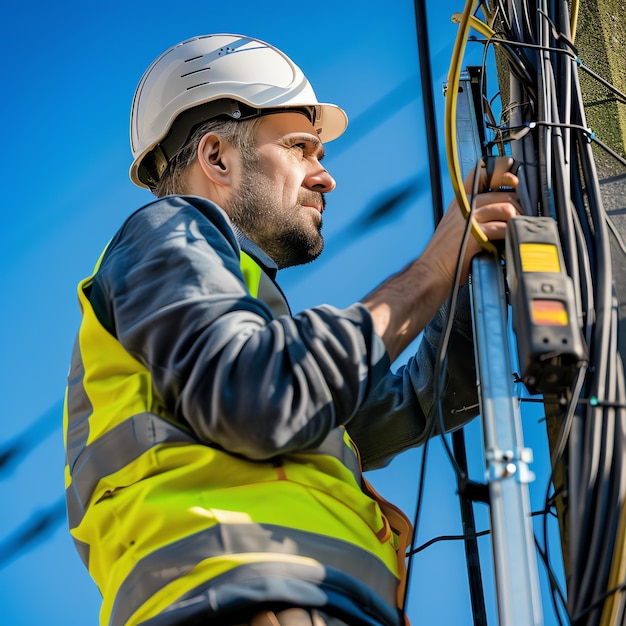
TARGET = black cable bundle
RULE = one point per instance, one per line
(560, 180)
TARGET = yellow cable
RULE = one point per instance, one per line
(574, 18)
(450, 124)
(617, 574)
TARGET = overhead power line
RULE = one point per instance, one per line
(36, 529)
(17, 449)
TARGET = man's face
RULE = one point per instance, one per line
(279, 200)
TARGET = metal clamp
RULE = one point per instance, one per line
(504, 464)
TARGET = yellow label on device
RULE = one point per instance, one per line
(539, 257)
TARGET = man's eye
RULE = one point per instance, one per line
(300, 145)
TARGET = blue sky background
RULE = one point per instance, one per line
(69, 71)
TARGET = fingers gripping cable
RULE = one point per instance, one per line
(450, 123)
(487, 176)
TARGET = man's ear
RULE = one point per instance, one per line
(215, 156)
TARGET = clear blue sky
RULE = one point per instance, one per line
(69, 71)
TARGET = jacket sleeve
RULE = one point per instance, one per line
(171, 291)
(402, 411)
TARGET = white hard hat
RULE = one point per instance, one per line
(209, 76)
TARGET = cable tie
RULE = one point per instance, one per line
(594, 401)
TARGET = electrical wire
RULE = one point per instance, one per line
(602, 81)
(463, 537)
(440, 369)
(554, 585)
(421, 481)
(438, 379)
(438, 375)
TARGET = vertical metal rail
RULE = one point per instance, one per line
(508, 473)
(515, 565)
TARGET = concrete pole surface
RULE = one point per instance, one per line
(601, 44)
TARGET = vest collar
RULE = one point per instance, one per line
(251, 249)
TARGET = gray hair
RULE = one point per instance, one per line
(240, 133)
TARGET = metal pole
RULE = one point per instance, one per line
(472, 554)
(421, 27)
(515, 565)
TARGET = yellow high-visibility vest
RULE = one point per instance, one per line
(159, 516)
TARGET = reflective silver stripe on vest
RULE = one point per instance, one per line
(113, 451)
(270, 293)
(212, 600)
(83, 550)
(78, 416)
(173, 561)
(126, 442)
(334, 445)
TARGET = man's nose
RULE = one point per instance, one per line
(319, 179)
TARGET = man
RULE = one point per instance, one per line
(213, 438)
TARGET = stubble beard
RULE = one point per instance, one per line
(287, 235)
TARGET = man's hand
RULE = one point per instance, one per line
(403, 305)
(493, 209)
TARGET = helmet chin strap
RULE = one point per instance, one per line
(154, 163)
